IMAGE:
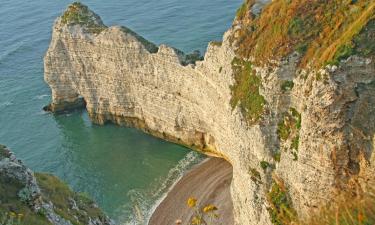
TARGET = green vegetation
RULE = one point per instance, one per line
(277, 156)
(323, 31)
(12, 210)
(245, 91)
(288, 129)
(54, 190)
(78, 13)
(151, 47)
(287, 85)
(295, 143)
(264, 165)
(19, 205)
(296, 27)
(281, 209)
(255, 176)
(343, 52)
(244, 8)
(217, 43)
(364, 42)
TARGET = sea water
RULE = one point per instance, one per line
(124, 170)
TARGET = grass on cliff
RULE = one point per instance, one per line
(323, 31)
(288, 130)
(78, 13)
(12, 209)
(65, 200)
(353, 210)
(280, 208)
(245, 91)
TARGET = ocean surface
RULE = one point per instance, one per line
(124, 170)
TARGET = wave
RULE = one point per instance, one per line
(145, 203)
(41, 96)
(12, 50)
(6, 103)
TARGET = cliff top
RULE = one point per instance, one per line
(77, 13)
(322, 31)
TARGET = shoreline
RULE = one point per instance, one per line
(209, 182)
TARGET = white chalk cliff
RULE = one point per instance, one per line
(127, 80)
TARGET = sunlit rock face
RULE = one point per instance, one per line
(129, 81)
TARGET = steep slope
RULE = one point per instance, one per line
(296, 133)
(41, 199)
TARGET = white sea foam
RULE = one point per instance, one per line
(144, 204)
(6, 103)
(41, 96)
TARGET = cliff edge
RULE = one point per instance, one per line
(37, 198)
(292, 109)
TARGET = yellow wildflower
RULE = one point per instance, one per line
(192, 202)
(209, 208)
(20, 215)
(12, 214)
(196, 220)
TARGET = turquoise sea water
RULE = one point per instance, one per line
(121, 168)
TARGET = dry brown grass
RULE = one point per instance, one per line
(315, 28)
(351, 210)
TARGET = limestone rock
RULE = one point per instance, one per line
(129, 81)
(30, 199)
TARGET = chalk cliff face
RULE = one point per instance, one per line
(311, 131)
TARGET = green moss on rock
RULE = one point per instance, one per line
(245, 91)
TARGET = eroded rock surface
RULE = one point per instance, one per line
(129, 81)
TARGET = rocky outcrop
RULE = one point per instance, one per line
(28, 198)
(308, 131)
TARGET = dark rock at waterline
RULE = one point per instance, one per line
(63, 107)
